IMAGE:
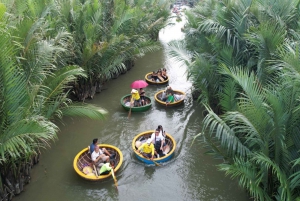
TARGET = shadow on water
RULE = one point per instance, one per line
(189, 175)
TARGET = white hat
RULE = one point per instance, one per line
(149, 141)
(134, 91)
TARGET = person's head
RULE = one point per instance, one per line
(96, 149)
(112, 162)
(157, 131)
(164, 69)
(160, 127)
(133, 91)
(149, 141)
(95, 141)
(141, 89)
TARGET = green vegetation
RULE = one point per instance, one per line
(50, 49)
(244, 57)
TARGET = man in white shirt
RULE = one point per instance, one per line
(98, 156)
(158, 140)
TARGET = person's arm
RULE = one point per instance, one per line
(105, 151)
(152, 152)
(132, 99)
(162, 143)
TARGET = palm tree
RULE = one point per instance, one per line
(34, 91)
(104, 41)
(243, 55)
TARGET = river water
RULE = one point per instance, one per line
(189, 175)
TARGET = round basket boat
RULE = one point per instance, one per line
(149, 81)
(126, 105)
(142, 137)
(178, 101)
(82, 163)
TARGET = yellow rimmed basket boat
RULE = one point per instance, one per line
(82, 163)
(142, 137)
(149, 81)
(178, 101)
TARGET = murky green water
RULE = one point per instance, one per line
(190, 175)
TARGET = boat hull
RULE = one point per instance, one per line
(136, 109)
(83, 159)
(170, 141)
(149, 81)
(160, 102)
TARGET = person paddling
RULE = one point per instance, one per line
(148, 149)
(106, 168)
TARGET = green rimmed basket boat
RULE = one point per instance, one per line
(136, 109)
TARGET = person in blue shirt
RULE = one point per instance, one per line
(92, 146)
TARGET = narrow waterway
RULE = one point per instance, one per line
(189, 175)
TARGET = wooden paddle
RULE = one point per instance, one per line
(95, 171)
(115, 180)
(129, 113)
(149, 159)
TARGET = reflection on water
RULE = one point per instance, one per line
(189, 175)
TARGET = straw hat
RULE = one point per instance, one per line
(133, 91)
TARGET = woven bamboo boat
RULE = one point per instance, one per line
(143, 108)
(149, 81)
(142, 137)
(83, 161)
(158, 98)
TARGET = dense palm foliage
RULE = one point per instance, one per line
(107, 34)
(49, 49)
(244, 57)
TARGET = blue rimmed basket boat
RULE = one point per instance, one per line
(142, 137)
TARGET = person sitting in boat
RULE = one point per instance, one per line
(127, 101)
(178, 97)
(164, 74)
(142, 95)
(170, 99)
(99, 157)
(159, 75)
(108, 167)
(93, 145)
(163, 133)
(135, 98)
(147, 149)
(169, 90)
(158, 140)
(154, 77)
(165, 92)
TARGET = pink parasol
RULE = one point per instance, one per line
(138, 84)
